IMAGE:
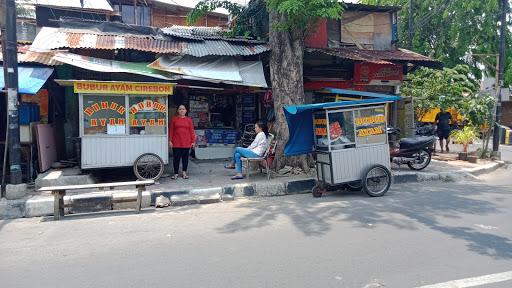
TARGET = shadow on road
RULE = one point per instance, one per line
(420, 205)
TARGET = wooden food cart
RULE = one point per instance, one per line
(124, 124)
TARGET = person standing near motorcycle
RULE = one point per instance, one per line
(442, 121)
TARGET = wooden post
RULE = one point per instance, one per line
(140, 188)
(58, 204)
(56, 214)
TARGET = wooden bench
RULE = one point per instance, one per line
(60, 191)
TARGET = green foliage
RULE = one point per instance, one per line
(465, 136)
(439, 88)
(302, 14)
(252, 20)
(483, 153)
(478, 109)
(449, 30)
(206, 6)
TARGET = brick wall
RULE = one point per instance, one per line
(176, 16)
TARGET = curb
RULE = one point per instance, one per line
(86, 203)
(491, 167)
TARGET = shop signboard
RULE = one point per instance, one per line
(370, 126)
(378, 74)
(97, 87)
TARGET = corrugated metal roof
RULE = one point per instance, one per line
(52, 38)
(379, 56)
(224, 48)
(55, 38)
(205, 33)
(195, 30)
(38, 57)
(99, 5)
(27, 56)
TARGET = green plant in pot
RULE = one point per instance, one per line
(465, 136)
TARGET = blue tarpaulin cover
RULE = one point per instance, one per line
(300, 118)
(30, 79)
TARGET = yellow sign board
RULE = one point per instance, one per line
(95, 87)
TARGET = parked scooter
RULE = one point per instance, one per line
(416, 152)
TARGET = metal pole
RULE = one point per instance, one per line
(497, 130)
(11, 86)
(135, 12)
(410, 28)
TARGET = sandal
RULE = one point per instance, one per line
(184, 176)
(174, 177)
(229, 166)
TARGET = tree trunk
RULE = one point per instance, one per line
(487, 137)
(286, 73)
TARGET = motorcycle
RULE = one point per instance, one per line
(416, 152)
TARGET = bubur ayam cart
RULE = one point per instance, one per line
(348, 139)
(124, 124)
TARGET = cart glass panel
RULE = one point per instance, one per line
(148, 115)
(370, 126)
(340, 132)
(104, 115)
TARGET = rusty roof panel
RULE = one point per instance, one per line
(36, 57)
(26, 56)
(52, 38)
(55, 38)
(379, 56)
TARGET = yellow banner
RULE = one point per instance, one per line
(96, 87)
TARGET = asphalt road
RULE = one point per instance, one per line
(417, 235)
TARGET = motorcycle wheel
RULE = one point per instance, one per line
(421, 160)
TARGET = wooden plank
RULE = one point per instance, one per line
(100, 185)
(46, 146)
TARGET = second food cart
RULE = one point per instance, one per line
(349, 141)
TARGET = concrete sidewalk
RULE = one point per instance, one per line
(209, 183)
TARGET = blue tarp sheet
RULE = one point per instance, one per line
(30, 79)
(300, 118)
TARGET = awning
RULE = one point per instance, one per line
(225, 70)
(112, 66)
(30, 79)
(300, 118)
(218, 68)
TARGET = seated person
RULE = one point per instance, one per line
(256, 149)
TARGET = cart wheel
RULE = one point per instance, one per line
(318, 190)
(148, 166)
(376, 181)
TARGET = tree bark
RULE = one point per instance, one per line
(286, 73)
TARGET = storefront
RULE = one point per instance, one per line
(120, 121)
(33, 109)
(219, 117)
(222, 95)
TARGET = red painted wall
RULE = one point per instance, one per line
(318, 37)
